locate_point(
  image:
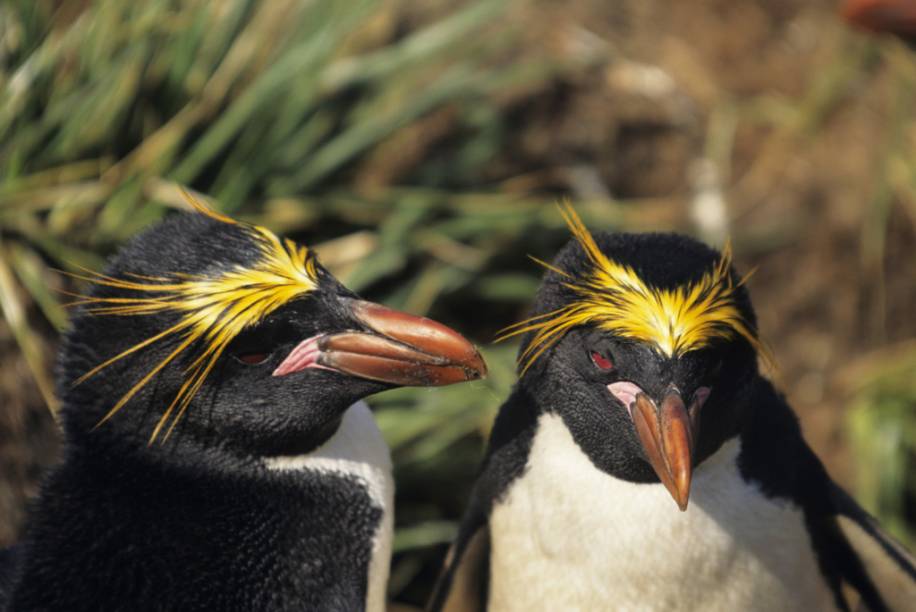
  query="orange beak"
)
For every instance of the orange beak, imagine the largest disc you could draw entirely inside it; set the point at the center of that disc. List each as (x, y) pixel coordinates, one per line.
(399, 349)
(667, 436)
(667, 433)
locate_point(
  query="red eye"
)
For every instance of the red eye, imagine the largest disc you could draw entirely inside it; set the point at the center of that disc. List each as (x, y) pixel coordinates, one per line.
(252, 358)
(602, 362)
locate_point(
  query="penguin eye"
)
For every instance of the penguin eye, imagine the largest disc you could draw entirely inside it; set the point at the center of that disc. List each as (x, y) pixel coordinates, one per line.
(252, 358)
(601, 362)
(255, 346)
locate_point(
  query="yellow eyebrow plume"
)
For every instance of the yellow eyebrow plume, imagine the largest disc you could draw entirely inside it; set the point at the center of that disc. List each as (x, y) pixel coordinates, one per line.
(613, 297)
(213, 308)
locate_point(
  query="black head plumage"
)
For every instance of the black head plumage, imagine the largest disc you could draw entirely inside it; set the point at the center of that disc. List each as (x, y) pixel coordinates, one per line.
(242, 336)
(632, 336)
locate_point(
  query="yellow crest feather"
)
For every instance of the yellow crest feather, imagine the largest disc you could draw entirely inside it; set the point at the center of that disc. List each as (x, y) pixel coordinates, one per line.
(613, 297)
(212, 309)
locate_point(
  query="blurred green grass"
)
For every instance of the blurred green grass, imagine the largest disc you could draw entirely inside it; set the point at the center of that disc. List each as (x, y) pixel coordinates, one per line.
(369, 129)
(883, 431)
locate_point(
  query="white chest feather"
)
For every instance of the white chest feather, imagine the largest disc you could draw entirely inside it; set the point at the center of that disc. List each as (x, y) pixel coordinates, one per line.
(571, 537)
(357, 449)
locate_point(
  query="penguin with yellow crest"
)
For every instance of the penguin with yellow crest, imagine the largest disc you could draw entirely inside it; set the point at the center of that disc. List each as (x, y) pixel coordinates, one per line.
(642, 462)
(217, 454)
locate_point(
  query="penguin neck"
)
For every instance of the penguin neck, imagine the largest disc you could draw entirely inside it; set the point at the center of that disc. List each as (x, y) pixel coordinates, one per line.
(355, 448)
(358, 451)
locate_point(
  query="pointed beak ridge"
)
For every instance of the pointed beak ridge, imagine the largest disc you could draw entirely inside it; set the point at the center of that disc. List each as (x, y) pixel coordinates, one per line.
(667, 435)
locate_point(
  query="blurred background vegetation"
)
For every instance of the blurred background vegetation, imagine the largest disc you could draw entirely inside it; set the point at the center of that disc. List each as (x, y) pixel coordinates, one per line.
(421, 146)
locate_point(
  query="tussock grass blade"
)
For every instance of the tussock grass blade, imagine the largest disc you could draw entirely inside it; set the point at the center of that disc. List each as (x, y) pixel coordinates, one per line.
(38, 279)
(373, 127)
(424, 534)
(298, 60)
(507, 287)
(420, 47)
(382, 263)
(14, 311)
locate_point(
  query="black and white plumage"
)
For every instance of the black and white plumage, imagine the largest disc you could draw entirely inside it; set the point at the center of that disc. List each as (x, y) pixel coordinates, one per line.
(609, 421)
(241, 472)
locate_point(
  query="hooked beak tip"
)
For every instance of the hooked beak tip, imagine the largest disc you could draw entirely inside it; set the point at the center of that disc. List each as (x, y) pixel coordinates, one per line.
(476, 367)
(442, 355)
(681, 491)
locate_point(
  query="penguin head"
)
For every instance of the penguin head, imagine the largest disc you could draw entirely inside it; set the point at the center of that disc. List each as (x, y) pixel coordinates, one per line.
(644, 344)
(213, 331)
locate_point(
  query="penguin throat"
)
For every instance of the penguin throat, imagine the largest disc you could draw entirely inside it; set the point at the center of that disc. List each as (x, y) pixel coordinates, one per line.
(299, 445)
